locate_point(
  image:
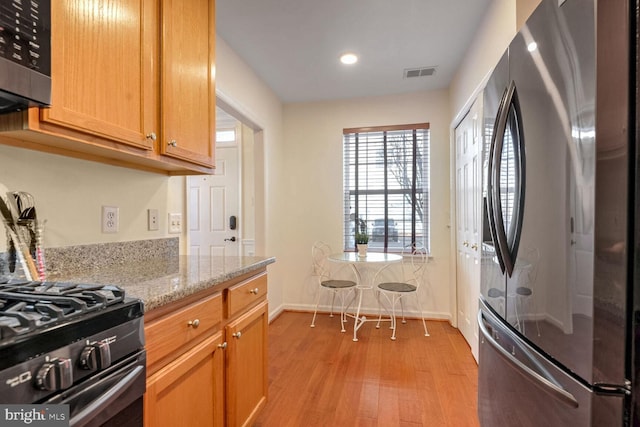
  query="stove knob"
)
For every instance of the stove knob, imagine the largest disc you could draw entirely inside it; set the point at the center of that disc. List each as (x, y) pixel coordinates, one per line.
(56, 374)
(95, 356)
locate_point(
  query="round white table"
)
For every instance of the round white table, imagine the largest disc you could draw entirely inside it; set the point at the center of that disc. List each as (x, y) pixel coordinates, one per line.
(355, 260)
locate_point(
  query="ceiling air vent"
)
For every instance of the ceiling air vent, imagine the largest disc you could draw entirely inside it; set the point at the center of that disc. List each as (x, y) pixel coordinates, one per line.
(419, 72)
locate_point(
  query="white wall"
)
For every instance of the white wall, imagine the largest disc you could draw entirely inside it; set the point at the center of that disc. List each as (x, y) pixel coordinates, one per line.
(70, 193)
(497, 29)
(313, 170)
(241, 89)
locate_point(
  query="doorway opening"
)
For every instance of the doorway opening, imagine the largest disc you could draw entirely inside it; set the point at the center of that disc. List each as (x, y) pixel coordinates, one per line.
(221, 208)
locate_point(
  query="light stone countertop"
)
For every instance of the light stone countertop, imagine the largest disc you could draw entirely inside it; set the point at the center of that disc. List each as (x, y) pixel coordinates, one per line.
(159, 282)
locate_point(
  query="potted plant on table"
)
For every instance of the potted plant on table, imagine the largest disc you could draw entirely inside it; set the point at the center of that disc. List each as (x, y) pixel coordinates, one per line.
(362, 242)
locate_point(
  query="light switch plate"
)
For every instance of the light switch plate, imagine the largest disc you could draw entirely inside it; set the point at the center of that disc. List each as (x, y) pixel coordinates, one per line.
(175, 223)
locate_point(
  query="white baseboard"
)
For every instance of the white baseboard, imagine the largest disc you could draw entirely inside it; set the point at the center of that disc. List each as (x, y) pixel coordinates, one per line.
(366, 311)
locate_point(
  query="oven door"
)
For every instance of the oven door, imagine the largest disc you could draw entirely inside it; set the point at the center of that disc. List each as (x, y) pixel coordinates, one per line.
(112, 397)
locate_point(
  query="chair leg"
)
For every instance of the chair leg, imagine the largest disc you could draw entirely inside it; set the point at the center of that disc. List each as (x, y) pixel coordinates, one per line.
(357, 318)
(343, 316)
(379, 309)
(535, 313)
(394, 320)
(424, 321)
(531, 308)
(313, 321)
(519, 325)
(382, 307)
(404, 321)
(333, 298)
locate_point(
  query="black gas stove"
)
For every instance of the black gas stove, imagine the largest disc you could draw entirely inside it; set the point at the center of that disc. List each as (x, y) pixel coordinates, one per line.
(60, 339)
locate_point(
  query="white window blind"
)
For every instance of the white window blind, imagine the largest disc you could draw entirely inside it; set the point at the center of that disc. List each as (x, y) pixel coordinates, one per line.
(386, 186)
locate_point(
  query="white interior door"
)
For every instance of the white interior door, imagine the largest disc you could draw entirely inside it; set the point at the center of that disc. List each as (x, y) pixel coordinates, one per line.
(581, 243)
(212, 201)
(468, 149)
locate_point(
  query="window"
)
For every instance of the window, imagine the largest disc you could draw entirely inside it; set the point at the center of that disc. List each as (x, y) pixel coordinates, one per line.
(386, 186)
(226, 135)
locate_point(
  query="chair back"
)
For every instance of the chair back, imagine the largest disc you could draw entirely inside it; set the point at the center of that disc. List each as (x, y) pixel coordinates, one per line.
(412, 268)
(415, 260)
(529, 272)
(319, 253)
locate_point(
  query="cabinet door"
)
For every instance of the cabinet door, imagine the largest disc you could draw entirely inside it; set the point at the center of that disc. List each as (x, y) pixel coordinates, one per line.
(188, 82)
(247, 366)
(188, 391)
(103, 77)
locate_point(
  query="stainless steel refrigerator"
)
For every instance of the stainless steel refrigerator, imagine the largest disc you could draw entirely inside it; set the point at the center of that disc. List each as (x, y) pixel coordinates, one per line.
(559, 253)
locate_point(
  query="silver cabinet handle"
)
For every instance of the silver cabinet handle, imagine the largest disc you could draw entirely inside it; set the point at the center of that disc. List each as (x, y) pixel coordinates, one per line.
(194, 323)
(223, 345)
(474, 247)
(152, 136)
(254, 291)
(237, 334)
(173, 143)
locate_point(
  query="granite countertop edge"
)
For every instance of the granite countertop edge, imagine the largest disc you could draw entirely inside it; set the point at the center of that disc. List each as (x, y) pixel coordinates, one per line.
(194, 287)
(158, 282)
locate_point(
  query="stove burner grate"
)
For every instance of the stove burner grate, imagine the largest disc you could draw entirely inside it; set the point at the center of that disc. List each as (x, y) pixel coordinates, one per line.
(27, 306)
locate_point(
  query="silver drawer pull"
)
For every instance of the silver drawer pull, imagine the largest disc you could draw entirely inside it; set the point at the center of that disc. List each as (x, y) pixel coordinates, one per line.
(237, 334)
(173, 143)
(194, 323)
(152, 136)
(254, 291)
(223, 345)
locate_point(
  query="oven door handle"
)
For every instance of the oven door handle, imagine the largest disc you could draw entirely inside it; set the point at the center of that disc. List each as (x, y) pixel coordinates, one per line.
(88, 413)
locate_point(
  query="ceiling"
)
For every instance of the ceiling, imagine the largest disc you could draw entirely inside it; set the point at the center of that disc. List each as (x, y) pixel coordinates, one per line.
(294, 45)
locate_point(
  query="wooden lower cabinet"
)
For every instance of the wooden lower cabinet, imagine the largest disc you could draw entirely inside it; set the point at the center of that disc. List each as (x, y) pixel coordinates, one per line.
(246, 363)
(190, 390)
(207, 357)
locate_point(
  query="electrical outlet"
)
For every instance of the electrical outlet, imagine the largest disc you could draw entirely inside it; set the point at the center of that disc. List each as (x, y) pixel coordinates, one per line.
(152, 220)
(175, 223)
(110, 219)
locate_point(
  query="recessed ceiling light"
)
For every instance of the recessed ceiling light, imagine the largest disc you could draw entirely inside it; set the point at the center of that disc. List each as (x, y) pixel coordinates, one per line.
(532, 46)
(349, 58)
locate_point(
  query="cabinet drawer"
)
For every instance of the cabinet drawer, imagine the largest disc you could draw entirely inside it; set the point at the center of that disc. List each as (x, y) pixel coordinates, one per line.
(172, 332)
(246, 294)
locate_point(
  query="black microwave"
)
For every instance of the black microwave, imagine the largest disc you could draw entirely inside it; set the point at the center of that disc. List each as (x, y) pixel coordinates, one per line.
(25, 54)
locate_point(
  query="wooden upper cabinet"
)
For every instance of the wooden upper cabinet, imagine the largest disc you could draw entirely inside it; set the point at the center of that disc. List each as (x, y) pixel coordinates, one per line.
(133, 84)
(104, 81)
(188, 80)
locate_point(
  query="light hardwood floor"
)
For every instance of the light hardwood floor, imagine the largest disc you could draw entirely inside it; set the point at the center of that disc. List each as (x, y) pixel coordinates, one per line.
(320, 377)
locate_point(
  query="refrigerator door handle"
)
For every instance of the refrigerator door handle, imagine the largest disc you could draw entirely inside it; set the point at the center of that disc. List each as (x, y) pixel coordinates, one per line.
(544, 384)
(496, 143)
(509, 117)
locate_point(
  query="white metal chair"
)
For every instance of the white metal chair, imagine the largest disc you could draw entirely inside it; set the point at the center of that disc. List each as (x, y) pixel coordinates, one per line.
(409, 280)
(336, 283)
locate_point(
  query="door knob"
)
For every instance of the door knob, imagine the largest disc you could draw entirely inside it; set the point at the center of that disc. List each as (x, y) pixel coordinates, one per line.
(232, 239)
